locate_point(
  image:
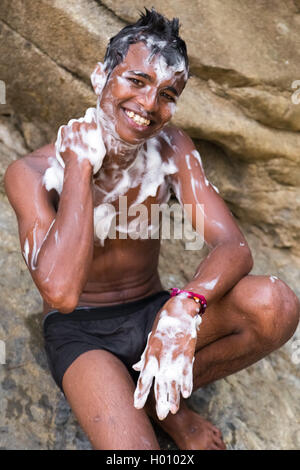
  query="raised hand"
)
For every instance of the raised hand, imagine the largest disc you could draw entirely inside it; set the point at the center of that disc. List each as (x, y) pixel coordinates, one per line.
(168, 357)
(81, 139)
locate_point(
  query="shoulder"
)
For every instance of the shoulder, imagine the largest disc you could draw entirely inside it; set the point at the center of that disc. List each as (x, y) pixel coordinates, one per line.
(178, 147)
(25, 175)
(33, 164)
(175, 141)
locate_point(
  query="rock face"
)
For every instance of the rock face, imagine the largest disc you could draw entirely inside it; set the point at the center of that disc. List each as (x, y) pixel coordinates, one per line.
(241, 109)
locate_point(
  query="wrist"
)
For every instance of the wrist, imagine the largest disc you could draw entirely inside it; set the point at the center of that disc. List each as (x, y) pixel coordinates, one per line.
(179, 305)
(199, 299)
(190, 306)
(83, 166)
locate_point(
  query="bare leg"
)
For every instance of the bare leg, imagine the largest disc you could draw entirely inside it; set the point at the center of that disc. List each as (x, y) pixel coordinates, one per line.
(256, 317)
(100, 391)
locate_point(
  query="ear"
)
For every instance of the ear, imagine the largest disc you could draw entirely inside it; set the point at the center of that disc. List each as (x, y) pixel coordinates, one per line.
(98, 78)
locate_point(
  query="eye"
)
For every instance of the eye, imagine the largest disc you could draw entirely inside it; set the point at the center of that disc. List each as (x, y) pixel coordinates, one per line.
(168, 97)
(135, 81)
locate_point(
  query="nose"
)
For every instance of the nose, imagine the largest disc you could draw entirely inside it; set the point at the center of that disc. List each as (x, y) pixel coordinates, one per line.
(148, 100)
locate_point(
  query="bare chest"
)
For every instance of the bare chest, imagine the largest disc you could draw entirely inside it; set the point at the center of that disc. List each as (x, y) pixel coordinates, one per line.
(127, 202)
(128, 206)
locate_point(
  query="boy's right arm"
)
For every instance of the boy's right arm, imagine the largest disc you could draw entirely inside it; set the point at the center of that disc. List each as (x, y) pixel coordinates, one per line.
(57, 246)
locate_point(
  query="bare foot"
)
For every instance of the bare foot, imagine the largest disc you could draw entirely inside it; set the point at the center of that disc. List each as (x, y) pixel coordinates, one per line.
(190, 431)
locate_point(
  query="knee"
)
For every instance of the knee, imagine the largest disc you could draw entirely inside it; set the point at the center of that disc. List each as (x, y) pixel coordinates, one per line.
(277, 313)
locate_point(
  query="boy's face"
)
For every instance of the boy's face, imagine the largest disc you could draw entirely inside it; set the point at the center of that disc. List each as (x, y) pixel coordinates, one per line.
(141, 94)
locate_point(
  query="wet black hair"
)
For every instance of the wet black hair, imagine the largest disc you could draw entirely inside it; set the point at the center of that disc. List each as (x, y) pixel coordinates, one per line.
(157, 32)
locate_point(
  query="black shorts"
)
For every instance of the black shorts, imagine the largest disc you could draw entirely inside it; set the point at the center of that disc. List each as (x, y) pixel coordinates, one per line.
(120, 329)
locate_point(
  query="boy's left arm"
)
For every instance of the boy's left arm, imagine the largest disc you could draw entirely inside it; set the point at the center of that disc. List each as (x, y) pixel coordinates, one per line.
(229, 257)
(174, 331)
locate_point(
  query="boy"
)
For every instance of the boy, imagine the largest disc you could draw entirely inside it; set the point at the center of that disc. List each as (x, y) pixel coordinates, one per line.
(107, 316)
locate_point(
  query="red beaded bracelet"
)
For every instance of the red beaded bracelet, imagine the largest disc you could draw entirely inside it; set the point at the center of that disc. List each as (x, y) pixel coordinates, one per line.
(199, 299)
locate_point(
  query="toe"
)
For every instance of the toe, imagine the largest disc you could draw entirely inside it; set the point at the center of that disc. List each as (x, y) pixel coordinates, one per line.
(213, 447)
(219, 443)
(216, 438)
(216, 431)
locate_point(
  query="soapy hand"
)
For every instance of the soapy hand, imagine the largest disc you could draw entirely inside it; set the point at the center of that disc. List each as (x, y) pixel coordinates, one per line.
(168, 358)
(83, 136)
(81, 139)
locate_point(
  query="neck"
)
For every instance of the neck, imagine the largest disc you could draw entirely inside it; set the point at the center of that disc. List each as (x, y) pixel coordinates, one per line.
(119, 154)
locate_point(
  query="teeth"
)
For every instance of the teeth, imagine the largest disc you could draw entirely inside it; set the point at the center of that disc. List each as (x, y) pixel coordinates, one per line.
(137, 118)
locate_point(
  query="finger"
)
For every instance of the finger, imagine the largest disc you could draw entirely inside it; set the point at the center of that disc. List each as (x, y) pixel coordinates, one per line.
(162, 402)
(144, 382)
(61, 132)
(60, 136)
(138, 366)
(174, 397)
(139, 398)
(58, 145)
(187, 381)
(145, 379)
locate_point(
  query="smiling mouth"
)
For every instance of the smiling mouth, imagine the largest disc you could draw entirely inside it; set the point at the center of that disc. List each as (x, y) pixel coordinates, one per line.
(137, 118)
